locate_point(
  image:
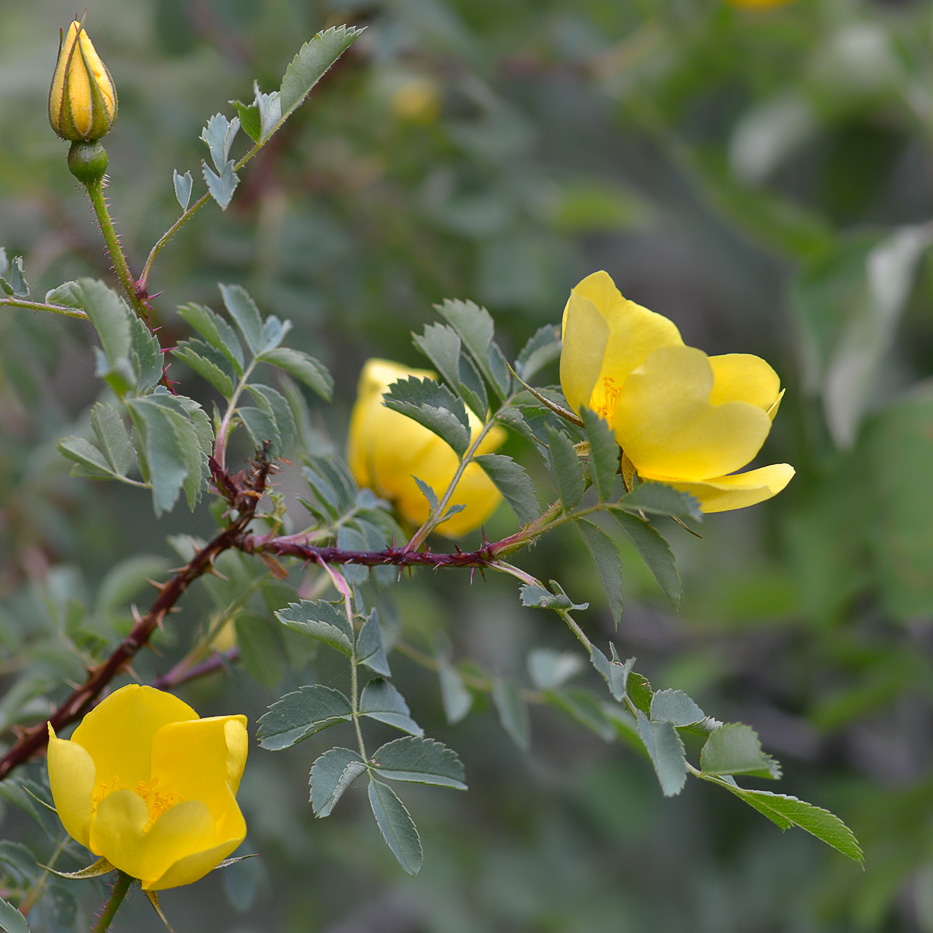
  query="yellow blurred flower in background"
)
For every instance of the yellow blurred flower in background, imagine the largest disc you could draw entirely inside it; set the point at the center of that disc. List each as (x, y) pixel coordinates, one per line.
(681, 417)
(385, 449)
(149, 786)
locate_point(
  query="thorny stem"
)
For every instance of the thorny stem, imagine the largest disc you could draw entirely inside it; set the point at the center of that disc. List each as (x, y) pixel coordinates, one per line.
(120, 888)
(243, 492)
(95, 191)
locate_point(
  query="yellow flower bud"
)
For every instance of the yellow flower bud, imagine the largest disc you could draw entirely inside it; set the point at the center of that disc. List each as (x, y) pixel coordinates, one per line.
(151, 787)
(385, 449)
(82, 99)
(681, 417)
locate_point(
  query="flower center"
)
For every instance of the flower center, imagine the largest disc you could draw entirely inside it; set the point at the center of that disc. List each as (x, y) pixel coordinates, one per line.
(157, 802)
(605, 396)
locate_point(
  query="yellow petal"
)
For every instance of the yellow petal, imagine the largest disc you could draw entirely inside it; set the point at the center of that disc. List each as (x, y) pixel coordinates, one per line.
(71, 778)
(741, 377)
(119, 833)
(666, 425)
(118, 732)
(605, 337)
(386, 449)
(202, 760)
(382, 443)
(192, 867)
(740, 489)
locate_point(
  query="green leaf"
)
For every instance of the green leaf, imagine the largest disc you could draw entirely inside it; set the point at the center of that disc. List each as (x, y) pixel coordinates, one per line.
(381, 701)
(311, 63)
(550, 669)
(566, 469)
(262, 650)
(146, 354)
(183, 185)
(441, 345)
(11, 920)
(218, 135)
(210, 364)
(331, 775)
(534, 597)
(176, 438)
(369, 648)
(108, 312)
(654, 551)
(216, 331)
(245, 315)
(788, 811)
(91, 463)
(604, 453)
(475, 327)
(614, 672)
(276, 406)
(735, 749)
(12, 279)
(221, 187)
(306, 368)
(420, 761)
(434, 406)
(301, 714)
(674, 706)
(396, 825)
(658, 499)
(112, 437)
(512, 712)
(608, 563)
(514, 483)
(638, 690)
(666, 750)
(321, 621)
(456, 698)
(540, 350)
(261, 427)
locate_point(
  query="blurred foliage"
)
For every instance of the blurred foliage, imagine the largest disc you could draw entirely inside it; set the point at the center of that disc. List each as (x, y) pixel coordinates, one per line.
(759, 176)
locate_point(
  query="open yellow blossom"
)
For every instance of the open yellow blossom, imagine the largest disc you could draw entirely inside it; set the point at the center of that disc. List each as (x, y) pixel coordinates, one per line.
(82, 99)
(386, 449)
(681, 417)
(151, 787)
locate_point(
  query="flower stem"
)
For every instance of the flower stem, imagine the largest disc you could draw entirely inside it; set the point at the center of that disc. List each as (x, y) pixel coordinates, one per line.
(120, 888)
(95, 191)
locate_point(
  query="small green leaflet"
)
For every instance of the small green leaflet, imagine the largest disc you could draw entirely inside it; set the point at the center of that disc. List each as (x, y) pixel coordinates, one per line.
(536, 597)
(514, 483)
(614, 672)
(475, 327)
(603, 455)
(566, 469)
(420, 761)
(456, 698)
(183, 185)
(550, 669)
(735, 749)
(381, 701)
(221, 186)
(666, 750)
(300, 714)
(658, 499)
(12, 280)
(540, 350)
(11, 920)
(786, 811)
(654, 551)
(331, 775)
(434, 406)
(396, 825)
(608, 563)
(321, 621)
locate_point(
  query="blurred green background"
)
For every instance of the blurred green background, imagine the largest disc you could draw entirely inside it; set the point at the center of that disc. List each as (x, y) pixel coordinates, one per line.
(762, 177)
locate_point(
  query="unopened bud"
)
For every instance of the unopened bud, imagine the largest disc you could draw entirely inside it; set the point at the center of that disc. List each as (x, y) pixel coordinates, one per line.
(83, 99)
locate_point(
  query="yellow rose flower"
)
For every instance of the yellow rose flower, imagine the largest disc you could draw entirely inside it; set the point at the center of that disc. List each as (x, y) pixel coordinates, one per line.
(82, 99)
(385, 449)
(681, 417)
(151, 787)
